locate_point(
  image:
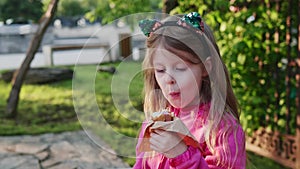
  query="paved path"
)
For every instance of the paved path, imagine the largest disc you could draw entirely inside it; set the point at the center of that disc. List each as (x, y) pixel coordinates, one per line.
(69, 150)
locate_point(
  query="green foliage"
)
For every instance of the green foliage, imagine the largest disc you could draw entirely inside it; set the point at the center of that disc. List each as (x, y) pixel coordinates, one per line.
(110, 10)
(78, 8)
(254, 55)
(21, 10)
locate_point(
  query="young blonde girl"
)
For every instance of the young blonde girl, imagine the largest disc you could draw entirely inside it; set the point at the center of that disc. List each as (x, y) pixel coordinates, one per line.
(183, 72)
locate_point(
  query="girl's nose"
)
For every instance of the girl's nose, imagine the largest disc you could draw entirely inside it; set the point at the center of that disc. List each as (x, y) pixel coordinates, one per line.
(169, 79)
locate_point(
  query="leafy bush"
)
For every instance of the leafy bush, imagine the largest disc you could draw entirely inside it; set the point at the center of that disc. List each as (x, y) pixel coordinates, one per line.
(252, 39)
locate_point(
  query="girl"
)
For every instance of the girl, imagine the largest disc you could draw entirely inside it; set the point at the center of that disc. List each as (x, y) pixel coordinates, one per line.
(183, 72)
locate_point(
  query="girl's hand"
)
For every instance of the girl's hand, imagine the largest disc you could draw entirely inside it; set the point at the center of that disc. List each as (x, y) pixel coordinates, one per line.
(167, 143)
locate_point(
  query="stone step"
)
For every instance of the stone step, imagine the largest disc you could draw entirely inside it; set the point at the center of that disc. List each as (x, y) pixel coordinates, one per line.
(55, 151)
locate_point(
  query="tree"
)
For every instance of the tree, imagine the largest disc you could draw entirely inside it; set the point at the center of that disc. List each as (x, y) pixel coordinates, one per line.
(169, 5)
(76, 5)
(110, 10)
(21, 10)
(19, 75)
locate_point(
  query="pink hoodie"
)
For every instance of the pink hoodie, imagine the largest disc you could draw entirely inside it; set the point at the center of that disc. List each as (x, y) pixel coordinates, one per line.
(192, 158)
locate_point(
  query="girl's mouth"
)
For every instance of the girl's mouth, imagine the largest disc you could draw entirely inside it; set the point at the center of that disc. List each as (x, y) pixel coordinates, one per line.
(174, 94)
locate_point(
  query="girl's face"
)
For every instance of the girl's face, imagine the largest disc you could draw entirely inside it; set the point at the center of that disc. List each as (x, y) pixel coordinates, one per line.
(180, 81)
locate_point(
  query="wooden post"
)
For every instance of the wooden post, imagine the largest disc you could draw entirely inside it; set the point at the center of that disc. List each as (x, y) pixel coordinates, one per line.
(125, 45)
(48, 55)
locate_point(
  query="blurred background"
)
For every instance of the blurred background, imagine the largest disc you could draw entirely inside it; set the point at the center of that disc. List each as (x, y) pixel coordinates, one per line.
(259, 42)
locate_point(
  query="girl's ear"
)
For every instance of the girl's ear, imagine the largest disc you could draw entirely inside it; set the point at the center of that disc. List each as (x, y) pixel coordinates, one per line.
(207, 67)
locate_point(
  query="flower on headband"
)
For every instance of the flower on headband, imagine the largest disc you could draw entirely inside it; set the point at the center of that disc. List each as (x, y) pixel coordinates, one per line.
(148, 26)
(194, 20)
(190, 20)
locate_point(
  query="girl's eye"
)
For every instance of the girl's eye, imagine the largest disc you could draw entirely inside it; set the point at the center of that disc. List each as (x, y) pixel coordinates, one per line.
(160, 70)
(181, 68)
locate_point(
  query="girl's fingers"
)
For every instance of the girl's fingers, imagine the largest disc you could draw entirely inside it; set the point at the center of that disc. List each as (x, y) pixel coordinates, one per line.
(158, 131)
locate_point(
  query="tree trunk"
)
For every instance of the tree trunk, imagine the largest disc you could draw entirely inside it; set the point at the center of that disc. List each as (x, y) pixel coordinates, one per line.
(168, 5)
(19, 75)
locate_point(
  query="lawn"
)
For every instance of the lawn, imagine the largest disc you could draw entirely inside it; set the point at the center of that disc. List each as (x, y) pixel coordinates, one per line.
(109, 105)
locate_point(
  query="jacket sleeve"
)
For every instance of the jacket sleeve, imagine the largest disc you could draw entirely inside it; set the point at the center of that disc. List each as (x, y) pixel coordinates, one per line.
(139, 161)
(192, 158)
(140, 155)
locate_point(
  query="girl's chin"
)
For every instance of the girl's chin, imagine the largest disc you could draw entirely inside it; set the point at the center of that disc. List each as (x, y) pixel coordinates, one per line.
(176, 105)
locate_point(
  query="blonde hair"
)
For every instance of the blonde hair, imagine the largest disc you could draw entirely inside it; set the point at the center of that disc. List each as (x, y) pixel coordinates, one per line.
(216, 88)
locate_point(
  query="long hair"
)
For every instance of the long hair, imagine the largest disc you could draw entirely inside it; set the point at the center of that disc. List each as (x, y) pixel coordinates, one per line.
(216, 88)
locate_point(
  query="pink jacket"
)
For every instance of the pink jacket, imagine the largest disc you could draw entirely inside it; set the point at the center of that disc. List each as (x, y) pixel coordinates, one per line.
(192, 158)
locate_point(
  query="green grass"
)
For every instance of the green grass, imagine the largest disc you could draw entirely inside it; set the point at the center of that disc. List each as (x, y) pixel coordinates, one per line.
(258, 162)
(41, 109)
(49, 108)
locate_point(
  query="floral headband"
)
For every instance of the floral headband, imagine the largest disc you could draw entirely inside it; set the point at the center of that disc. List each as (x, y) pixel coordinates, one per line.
(191, 20)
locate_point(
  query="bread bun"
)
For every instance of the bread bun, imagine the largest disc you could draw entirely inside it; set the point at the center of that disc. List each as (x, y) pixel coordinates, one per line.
(164, 115)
